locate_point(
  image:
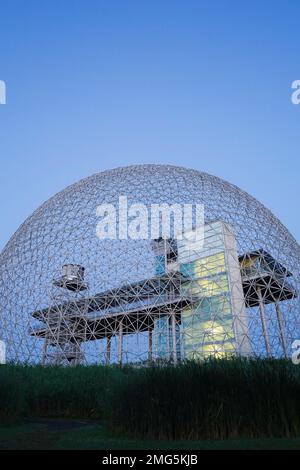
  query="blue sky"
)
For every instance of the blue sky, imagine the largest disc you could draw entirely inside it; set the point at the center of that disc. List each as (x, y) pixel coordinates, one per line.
(93, 85)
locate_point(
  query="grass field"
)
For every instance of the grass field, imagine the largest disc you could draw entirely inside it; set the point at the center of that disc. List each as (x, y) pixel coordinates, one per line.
(214, 400)
(84, 435)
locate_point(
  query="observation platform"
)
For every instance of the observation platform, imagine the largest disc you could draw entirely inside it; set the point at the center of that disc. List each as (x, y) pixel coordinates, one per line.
(135, 306)
(264, 279)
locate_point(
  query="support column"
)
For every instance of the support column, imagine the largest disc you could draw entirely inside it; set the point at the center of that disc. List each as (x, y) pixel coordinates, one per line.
(173, 327)
(108, 349)
(44, 353)
(281, 329)
(263, 322)
(150, 354)
(120, 342)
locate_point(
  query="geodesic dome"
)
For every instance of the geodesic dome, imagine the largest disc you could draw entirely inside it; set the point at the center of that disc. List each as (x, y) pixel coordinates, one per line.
(67, 296)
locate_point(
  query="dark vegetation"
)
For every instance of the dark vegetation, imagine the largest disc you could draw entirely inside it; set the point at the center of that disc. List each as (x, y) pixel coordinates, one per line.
(215, 399)
(92, 435)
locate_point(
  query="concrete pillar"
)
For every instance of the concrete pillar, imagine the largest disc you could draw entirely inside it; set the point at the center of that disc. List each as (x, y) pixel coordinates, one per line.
(281, 329)
(263, 322)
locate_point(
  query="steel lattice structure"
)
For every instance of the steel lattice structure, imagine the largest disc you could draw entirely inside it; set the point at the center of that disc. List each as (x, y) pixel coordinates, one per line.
(68, 297)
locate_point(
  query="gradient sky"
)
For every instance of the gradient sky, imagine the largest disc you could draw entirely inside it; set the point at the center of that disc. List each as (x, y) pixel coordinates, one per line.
(93, 85)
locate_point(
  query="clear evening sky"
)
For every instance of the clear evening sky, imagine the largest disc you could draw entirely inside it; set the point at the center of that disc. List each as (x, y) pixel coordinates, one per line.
(93, 85)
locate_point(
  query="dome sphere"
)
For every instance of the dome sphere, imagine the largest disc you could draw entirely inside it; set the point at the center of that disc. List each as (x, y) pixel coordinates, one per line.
(43, 315)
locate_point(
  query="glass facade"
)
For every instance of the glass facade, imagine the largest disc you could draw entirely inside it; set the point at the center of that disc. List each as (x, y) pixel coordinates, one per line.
(208, 327)
(212, 319)
(160, 265)
(163, 339)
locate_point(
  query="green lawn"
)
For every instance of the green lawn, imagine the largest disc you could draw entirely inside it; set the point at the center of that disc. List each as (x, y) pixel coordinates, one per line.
(68, 434)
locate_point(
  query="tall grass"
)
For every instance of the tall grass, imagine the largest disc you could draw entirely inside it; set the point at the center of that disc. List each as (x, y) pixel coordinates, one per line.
(212, 399)
(215, 399)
